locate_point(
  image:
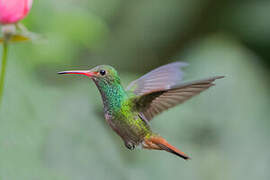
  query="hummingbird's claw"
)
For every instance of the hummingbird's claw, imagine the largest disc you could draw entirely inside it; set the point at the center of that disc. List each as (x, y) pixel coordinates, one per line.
(130, 145)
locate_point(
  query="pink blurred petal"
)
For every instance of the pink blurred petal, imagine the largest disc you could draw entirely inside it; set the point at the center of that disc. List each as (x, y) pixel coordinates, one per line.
(12, 11)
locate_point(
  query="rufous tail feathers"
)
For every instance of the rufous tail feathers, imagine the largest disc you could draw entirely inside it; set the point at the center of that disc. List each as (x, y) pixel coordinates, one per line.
(159, 143)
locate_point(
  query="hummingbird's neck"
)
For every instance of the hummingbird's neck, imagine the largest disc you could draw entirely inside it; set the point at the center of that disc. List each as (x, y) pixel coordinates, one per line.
(113, 94)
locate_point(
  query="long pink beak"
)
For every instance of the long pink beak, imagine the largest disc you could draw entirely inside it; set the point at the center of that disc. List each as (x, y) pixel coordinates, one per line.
(86, 73)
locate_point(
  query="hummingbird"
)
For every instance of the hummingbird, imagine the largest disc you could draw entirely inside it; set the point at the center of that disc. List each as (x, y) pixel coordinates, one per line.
(128, 111)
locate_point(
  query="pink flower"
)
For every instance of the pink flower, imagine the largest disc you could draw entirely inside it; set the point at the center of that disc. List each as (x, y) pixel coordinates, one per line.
(12, 11)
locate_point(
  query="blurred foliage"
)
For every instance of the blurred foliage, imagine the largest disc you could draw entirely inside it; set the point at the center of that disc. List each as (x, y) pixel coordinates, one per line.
(52, 127)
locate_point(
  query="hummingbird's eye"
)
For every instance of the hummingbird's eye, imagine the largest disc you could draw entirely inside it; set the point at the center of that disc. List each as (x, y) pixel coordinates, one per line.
(102, 72)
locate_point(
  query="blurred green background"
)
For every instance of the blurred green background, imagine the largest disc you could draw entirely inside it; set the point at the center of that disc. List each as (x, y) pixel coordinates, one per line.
(52, 126)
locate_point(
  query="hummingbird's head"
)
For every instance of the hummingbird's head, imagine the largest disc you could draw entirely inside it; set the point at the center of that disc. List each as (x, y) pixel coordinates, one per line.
(101, 73)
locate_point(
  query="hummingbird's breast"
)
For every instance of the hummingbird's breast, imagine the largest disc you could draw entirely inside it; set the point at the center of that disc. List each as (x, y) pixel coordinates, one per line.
(127, 124)
(120, 114)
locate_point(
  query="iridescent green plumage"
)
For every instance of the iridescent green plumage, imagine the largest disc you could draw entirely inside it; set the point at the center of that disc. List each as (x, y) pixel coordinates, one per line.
(128, 111)
(119, 108)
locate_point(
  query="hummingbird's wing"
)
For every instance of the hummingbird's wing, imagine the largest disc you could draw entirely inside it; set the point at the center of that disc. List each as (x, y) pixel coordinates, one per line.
(153, 103)
(162, 78)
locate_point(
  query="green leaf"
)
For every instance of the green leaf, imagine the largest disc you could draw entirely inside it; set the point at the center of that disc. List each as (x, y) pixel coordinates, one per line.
(16, 38)
(29, 36)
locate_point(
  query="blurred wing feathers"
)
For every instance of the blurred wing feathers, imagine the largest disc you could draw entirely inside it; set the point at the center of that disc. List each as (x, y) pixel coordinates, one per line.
(154, 103)
(162, 78)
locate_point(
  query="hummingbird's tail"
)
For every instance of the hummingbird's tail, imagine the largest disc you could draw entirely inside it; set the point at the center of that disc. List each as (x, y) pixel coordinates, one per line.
(159, 143)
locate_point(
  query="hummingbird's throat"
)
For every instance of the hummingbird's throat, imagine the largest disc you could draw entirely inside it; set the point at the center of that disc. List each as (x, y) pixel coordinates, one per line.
(113, 94)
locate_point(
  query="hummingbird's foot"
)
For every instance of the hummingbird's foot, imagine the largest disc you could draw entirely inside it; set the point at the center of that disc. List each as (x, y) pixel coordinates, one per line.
(130, 145)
